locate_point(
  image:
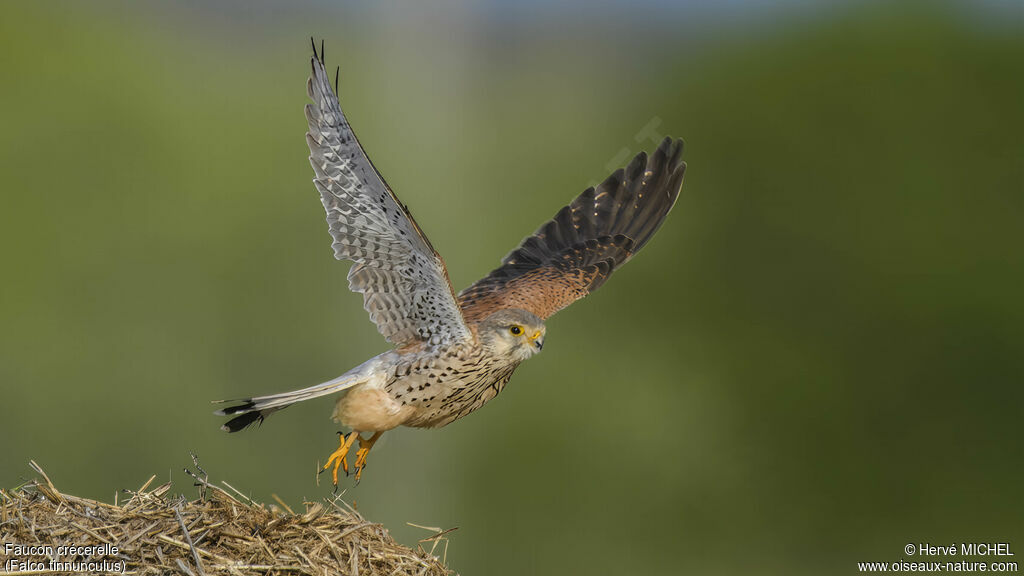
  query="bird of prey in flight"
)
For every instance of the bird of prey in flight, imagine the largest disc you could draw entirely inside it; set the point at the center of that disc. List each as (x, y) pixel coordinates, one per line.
(453, 352)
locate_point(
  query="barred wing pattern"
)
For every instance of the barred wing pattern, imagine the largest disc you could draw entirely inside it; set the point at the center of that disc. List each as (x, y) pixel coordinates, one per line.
(571, 255)
(403, 280)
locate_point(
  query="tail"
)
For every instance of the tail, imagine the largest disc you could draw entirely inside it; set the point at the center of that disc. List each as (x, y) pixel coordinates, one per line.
(253, 410)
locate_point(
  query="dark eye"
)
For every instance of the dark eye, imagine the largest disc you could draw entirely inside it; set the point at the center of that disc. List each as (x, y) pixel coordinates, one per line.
(515, 330)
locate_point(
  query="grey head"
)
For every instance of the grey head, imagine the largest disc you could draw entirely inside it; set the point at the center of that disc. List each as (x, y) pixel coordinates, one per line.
(512, 333)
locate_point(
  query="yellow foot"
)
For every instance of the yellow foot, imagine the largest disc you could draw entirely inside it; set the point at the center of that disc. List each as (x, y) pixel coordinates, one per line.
(364, 449)
(338, 457)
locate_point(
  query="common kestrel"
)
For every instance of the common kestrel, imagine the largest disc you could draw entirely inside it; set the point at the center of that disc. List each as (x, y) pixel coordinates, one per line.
(452, 353)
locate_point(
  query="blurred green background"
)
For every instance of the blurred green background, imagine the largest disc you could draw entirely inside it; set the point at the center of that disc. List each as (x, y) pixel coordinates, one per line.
(818, 359)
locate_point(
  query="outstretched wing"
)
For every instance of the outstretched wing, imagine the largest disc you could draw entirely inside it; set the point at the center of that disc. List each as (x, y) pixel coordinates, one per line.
(403, 280)
(571, 255)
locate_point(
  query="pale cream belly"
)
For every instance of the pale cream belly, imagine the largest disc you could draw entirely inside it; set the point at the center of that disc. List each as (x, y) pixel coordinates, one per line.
(370, 409)
(429, 395)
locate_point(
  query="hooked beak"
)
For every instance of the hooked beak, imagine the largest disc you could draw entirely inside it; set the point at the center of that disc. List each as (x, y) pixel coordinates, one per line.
(537, 340)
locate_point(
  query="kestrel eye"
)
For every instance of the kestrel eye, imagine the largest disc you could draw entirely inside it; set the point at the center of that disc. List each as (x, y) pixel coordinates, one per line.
(515, 330)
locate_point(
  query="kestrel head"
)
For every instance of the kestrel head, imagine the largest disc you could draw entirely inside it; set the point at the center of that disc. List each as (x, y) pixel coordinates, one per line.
(512, 333)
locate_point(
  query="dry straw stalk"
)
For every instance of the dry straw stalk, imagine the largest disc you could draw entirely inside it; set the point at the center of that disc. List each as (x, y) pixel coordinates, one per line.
(222, 532)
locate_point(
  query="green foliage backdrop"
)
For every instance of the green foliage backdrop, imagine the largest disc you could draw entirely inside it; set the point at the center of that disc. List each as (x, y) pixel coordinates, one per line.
(818, 359)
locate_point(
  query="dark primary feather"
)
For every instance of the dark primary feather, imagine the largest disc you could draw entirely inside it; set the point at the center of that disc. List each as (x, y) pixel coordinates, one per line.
(574, 253)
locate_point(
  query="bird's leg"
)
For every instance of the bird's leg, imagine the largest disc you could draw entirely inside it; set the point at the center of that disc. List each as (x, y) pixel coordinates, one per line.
(338, 456)
(364, 449)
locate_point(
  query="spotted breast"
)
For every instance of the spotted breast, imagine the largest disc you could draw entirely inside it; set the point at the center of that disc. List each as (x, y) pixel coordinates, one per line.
(445, 385)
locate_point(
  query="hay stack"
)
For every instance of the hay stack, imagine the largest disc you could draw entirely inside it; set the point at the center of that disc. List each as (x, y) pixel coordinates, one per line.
(222, 532)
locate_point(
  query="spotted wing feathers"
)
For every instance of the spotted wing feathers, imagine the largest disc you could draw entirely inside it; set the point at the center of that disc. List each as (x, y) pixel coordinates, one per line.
(403, 280)
(574, 253)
